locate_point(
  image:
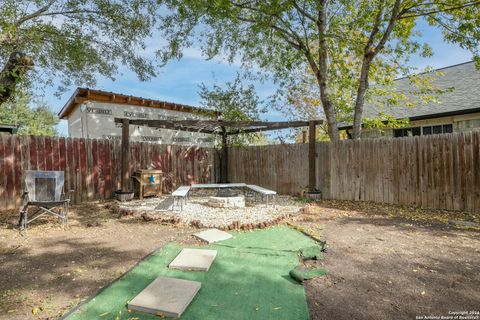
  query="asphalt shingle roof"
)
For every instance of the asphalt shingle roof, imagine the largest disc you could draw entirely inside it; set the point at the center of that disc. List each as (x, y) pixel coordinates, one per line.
(463, 78)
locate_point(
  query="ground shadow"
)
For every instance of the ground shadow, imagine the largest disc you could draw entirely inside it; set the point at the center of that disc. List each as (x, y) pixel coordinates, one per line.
(165, 204)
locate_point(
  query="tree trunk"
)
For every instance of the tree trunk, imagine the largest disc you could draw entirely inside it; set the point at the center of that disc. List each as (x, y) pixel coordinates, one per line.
(329, 110)
(370, 53)
(360, 100)
(321, 73)
(12, 74)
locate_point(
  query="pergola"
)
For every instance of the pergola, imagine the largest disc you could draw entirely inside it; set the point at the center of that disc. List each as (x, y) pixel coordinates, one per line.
(219, 127)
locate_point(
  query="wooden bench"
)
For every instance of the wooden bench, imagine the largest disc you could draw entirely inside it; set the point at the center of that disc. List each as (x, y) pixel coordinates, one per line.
(218, 185)
(264, 192)
(181, 194)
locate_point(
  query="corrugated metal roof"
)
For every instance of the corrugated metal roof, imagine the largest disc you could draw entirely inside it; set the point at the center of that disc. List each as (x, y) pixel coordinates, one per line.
(87, 94)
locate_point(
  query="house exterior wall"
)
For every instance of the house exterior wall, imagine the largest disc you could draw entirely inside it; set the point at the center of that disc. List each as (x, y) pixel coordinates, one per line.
(95, 120)
(76, 121)
(460, 123)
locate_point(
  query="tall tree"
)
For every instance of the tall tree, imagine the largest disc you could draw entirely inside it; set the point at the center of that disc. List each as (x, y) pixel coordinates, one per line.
(344, 43)
(72, 40)
(32, 118)
(235, 101)
(304, 101)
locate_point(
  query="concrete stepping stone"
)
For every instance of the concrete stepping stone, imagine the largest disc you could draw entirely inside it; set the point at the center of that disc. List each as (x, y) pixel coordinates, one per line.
(167, 297)
(193, 259)
(213, 235)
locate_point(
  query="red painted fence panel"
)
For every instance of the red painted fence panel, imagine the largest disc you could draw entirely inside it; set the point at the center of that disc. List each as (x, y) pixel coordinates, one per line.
(92, 167)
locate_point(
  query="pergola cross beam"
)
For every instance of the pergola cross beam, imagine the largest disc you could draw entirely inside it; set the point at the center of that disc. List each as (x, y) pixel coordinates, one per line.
(216, 126)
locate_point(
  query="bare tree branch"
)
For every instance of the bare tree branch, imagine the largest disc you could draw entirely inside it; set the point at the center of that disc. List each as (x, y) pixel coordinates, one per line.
(284, 34)
(303, 12)
(285, 26)
(431, 12)
(391, 25)
(36, 14)
(321, 72)
(370, 53)
(375, 29)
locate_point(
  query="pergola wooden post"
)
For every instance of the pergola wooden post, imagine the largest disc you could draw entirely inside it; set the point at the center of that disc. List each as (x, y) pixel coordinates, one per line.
(312, 172)
(125, 154)
(224, 157)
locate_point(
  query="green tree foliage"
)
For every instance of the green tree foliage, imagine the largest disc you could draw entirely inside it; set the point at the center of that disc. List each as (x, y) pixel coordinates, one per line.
(37, 121)
(345, 44)
(72, 40)
(236, 102)
(304, 101)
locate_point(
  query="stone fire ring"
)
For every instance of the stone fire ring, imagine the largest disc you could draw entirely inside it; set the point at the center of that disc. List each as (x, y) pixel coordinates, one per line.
(227, 202)
(146, 215)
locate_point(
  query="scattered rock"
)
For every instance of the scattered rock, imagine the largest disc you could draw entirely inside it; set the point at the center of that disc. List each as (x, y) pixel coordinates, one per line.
(198, 214)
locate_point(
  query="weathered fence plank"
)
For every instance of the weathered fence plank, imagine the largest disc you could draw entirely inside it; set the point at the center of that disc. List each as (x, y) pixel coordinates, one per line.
(437, 171)
(92, 167)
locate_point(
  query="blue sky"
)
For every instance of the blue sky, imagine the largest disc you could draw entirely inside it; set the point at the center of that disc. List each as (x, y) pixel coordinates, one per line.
(178, 81)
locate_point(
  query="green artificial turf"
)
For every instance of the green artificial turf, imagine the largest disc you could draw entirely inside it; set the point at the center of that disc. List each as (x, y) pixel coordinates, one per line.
(249, 279)
(312, 252)
(301, 273)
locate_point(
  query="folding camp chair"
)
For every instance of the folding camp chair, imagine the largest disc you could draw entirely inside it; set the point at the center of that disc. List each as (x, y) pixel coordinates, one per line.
(44, 190)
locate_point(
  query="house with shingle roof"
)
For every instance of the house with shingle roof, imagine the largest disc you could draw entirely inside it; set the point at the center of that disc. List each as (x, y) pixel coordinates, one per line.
(457, 108)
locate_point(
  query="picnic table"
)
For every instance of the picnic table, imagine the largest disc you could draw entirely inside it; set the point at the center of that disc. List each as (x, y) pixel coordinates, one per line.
(218, 185)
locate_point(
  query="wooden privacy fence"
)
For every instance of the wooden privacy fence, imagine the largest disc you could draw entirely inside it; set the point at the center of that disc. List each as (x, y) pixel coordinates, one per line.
(92, 167)
(436, 171)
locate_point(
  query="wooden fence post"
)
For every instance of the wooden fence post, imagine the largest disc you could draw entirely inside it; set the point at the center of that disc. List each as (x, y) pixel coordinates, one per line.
(311, 157)
(125, 154)
(224, 158)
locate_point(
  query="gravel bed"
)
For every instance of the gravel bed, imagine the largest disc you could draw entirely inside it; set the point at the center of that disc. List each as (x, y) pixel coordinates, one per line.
(197, 209)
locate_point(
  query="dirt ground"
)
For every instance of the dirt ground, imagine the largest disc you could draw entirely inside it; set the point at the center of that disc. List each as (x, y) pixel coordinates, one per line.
(48, 270)
(384, 262)
(386, 267)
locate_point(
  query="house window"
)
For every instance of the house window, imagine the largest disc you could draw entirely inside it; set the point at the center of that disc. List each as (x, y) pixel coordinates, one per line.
(467, 124)
(446, 128)
(417, 131)
(406, 132)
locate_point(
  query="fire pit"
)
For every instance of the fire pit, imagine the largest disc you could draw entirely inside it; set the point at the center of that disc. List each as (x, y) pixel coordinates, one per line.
(226, 193)
(227, 198)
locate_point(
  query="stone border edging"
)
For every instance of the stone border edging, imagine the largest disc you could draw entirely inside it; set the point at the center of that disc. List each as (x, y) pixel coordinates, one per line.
(236, 225)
